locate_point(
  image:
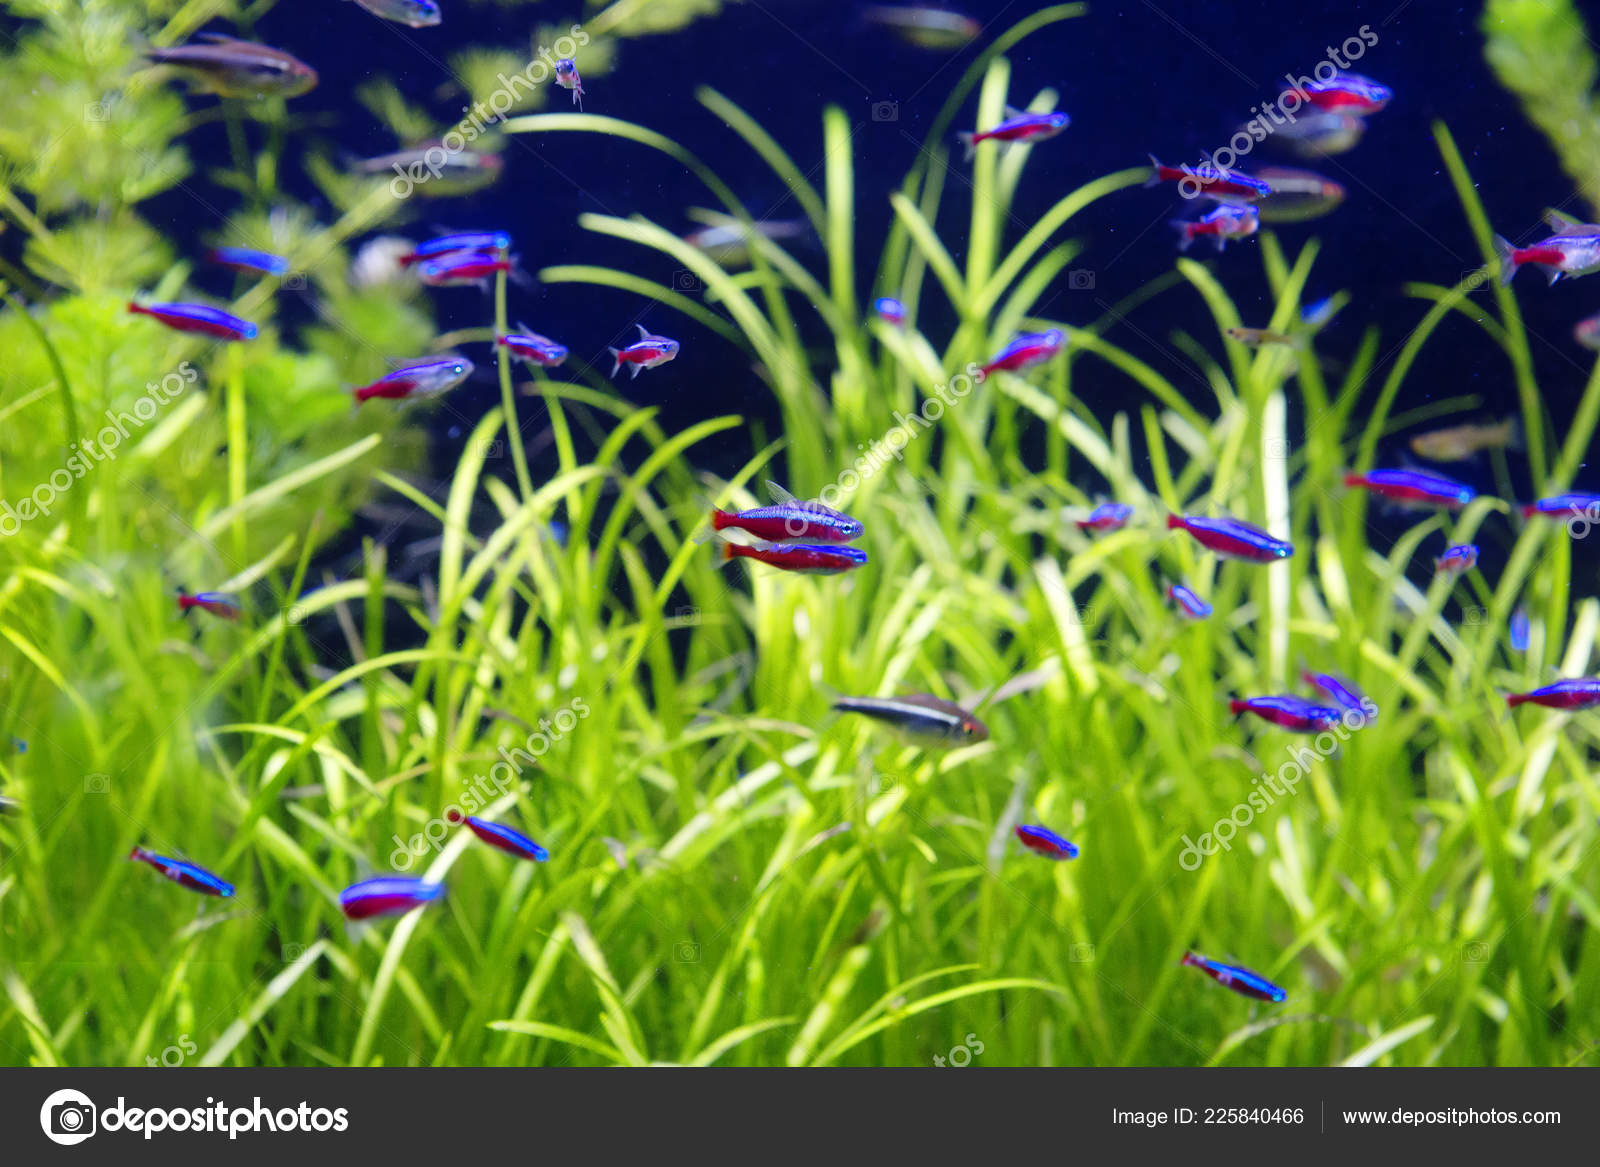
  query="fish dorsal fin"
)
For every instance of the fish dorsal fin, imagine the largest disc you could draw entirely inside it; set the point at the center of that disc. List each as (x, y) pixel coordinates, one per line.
(644, 333)
(779, 494)
(1564, 224)
(1013, 112)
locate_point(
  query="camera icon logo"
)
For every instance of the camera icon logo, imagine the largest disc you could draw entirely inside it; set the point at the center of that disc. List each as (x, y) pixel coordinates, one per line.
(686, 281)
(686, 953)
(1475, 952)
(295, 281)
(886, 111)
(97, 783)
(68, 1117)
(1081, 954)
(1080, 279)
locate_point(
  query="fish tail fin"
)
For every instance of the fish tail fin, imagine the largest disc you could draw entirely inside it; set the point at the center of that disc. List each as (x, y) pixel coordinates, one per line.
(139, 309)
(1551, 275)
(1237, 705)
(1515, 699)
(138, 853)
(1507, 255)
(633, 371)
(616, 357)
(1174, 523)
(729, 552)
(969, 142)
(721, 520)
(1185, 236)
(1155, 172)
(1188, 960)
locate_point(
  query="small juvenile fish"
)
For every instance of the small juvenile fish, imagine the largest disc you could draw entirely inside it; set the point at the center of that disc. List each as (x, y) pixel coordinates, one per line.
(1322, 134)
(1587, 332)
(1297, 195)
(1019, 126)
(1287, 711)
(435, 170)
(1573, 504)
(200, 318)
(1456, 559)
(217, 603)
(645, 353)
(1414, 488)
(807, 558)
(533, 348)
(924, 718)
(1220, 225)
(500, 836)
(1574, 250)
(424, 378)
(243, 259)
(184, 874)
(789, 519)
(230, 67)
(1108, 516)
(729, 243)
(1342, 691)
(1460, 442)
(1575, 693)
(1025, 351)
(1241, 980)
(1257, 337)
(1042, 841)
(387, 895)
(1188, 603)
(926, 27)
(412, 13)
(469, 241)
(1232, 538)
(889, 310)
(1348, 93)
(1225, 186)
(1519, 629)
(465, 269)
(567, 77)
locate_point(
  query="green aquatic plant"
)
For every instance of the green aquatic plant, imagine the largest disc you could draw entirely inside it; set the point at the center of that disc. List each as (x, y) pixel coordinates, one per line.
(737, 876)
(1541, 51)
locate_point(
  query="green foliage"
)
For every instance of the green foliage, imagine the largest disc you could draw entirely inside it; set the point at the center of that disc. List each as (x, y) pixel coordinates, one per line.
(1542, 52)
(736, 876)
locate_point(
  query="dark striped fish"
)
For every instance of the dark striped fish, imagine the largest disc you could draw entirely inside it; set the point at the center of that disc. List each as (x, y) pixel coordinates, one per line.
(928, 720)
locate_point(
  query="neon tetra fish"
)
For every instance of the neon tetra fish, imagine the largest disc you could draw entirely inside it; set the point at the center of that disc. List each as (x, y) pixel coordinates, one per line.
(244, 259)
(1574, 250)
(1342, 691)
(889, 310)
(928, 720)
(1220, 225)
(1347, 93)
(497, 242)
(1457, 559)
(533, 348)
(467, 269)
(219, 604)
(387, 895)
(426, 378)
(1019, 126)
(645, 353)
(184, 874)
(1287, 711)
(790, 519)
(1572, 694)
(1108, 516)
(1232, 538)
(500, 836)
(1043, 841)
(1414, 488)
(1297, 195)
(229, 67)
(1191, 605)
(1026, 351)
(199, 318)
(1210, 181)
(806, 558)
(1572, 505)
(1520, 629)
(1236, 977)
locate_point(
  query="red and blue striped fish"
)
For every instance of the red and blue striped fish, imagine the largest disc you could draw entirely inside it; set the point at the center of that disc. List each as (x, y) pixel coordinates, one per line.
(807, 558)
(1232, 538)
(1025, 351)
(1043, 841)
(200, 318)
(1573, 693)
(1236, 977)
(1414, 488)
(500, 836)
(1019, 126)
(790, 519)
(1287, 711)
(387, 895)
(184, 874)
